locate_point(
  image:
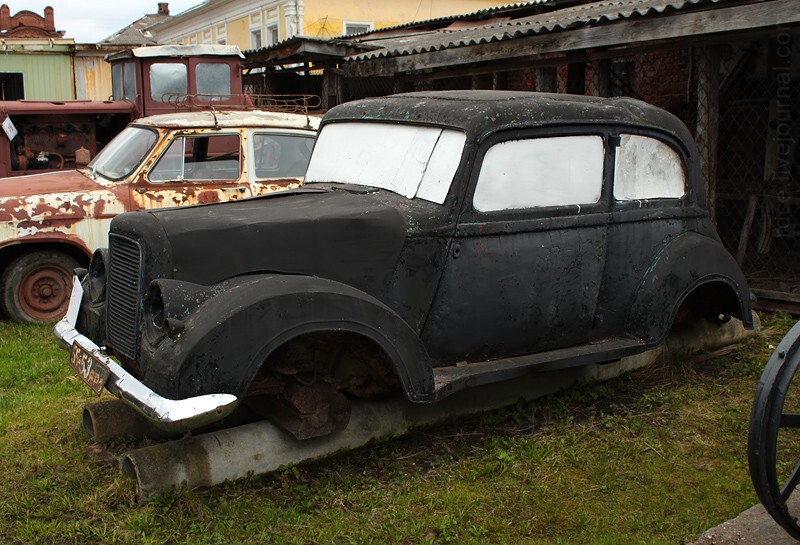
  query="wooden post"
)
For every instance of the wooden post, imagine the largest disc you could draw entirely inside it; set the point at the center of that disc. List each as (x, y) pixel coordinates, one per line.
(601, 78)
(332, 88)
(707, 133)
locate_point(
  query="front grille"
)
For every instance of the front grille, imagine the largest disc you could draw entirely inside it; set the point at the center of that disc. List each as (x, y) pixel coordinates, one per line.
(124, 292)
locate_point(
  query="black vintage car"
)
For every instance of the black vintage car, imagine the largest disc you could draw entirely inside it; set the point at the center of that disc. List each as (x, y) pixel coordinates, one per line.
(442, 240)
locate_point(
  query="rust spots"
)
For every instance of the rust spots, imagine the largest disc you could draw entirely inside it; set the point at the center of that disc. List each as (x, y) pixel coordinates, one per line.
(207, 197)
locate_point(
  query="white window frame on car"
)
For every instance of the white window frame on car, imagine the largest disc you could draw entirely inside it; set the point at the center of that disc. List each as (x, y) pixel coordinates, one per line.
(512, 173)
(647, 168)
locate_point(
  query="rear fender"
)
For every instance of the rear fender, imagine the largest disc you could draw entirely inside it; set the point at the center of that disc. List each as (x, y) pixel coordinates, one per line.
(685, 264)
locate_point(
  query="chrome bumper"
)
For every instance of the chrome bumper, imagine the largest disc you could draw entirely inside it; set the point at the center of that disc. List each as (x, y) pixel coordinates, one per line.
(171, 414)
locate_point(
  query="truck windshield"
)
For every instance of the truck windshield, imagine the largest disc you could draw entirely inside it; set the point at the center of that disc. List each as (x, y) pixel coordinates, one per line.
(124, 153)
(410, 160)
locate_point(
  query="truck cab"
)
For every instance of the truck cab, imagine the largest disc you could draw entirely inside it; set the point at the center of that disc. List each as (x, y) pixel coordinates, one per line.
(42, 136)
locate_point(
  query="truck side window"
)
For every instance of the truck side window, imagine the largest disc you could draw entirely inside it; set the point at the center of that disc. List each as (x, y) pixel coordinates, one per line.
(647, 168)
(167, 78)
(123, 81)
(537, 172)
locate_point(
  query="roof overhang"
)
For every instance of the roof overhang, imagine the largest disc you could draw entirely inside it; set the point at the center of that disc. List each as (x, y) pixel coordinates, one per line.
(592, 31)
(301, 50)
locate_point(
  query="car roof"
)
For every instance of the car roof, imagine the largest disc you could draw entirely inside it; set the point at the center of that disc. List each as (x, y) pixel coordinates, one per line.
(230, 119)
(480, 113)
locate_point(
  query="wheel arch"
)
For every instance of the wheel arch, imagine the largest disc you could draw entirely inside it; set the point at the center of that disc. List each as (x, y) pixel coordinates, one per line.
(75, 250)
(220, 341)
(691, 267)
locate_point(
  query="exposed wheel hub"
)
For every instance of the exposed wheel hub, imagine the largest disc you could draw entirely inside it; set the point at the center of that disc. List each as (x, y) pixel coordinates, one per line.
(43, 293)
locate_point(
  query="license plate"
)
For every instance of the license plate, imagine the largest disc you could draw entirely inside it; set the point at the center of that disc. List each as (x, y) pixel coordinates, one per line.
(89, 368)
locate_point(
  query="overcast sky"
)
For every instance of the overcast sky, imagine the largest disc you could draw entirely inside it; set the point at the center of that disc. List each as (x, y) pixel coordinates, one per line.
(89, 21)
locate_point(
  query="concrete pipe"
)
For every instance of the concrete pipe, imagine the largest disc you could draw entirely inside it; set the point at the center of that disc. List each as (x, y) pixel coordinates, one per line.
(109, 420)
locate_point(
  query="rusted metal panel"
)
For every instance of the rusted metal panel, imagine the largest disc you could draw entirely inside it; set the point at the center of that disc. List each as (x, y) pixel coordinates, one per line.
(35, 217)
(92, 78)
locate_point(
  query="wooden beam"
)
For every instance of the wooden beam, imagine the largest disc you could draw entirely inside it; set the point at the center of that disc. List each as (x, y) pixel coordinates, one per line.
(682, 25)
(707, 132)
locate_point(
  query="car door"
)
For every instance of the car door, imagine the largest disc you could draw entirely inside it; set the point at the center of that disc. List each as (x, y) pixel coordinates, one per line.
(194, 168)
(651, 206)
(524, 267)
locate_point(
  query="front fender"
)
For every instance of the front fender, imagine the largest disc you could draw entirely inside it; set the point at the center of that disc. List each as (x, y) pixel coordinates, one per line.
(685, 264)
(225, 340)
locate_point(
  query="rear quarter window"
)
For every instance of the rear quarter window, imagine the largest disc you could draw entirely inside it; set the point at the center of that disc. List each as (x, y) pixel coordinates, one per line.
(647, 168)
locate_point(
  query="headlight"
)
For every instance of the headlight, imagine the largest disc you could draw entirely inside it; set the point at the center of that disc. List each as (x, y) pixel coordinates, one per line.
(95, 281)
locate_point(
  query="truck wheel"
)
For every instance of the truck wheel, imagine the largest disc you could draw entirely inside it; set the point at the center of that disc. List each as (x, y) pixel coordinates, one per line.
(36, 286)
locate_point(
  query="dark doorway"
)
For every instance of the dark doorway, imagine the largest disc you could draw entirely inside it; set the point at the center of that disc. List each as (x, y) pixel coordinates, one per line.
(11, 87)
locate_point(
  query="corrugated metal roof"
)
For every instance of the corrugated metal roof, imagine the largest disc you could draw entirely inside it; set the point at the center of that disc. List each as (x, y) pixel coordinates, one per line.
(445, 18)
(563, 19)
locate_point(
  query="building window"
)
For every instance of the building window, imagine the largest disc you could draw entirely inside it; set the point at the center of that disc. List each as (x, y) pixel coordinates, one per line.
(273, 36)
(255, 39)
(353, 27)
(11, 86)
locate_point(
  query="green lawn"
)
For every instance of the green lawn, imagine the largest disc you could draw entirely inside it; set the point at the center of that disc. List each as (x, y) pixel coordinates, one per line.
(657, 456)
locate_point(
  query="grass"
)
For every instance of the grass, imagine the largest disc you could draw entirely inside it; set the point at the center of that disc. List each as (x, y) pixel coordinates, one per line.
(657, 456)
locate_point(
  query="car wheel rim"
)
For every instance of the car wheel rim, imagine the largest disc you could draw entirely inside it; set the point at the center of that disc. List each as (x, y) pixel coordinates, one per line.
(44, 293)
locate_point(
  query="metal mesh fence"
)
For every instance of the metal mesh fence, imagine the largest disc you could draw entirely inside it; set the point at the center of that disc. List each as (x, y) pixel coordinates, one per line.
(356, 88)
(758, 164)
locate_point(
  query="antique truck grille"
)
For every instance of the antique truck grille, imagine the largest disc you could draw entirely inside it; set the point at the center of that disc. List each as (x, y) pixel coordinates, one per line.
(124, 290)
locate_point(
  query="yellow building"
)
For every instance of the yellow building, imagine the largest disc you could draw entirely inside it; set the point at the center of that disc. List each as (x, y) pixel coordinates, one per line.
(252, 24)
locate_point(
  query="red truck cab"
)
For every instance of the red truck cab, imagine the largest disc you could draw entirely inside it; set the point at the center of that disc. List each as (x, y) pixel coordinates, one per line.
(59, 135)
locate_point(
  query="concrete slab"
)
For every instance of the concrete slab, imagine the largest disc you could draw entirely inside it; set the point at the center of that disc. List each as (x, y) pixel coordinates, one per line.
(753, 527)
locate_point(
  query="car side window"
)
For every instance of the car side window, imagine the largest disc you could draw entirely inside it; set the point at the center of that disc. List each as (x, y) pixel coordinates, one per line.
(196, 158)
(538, 172)
(646, 168)
(281, 155)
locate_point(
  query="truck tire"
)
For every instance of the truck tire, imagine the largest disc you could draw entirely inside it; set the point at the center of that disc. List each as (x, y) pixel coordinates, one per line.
(35, 287)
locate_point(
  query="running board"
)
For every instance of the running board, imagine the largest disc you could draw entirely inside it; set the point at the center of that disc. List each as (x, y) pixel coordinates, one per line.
(451, 379)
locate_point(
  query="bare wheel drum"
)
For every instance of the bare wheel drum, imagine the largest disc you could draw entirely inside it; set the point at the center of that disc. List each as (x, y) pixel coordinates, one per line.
(36, 286)
(773, 444)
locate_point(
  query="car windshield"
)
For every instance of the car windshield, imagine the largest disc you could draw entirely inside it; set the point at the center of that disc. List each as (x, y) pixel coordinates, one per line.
(410, 160)
(124, 153)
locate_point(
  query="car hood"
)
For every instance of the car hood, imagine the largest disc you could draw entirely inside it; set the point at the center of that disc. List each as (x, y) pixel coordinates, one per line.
(355, 238)
(66, 181)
